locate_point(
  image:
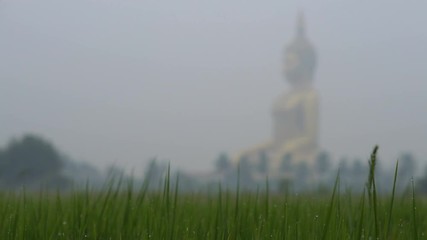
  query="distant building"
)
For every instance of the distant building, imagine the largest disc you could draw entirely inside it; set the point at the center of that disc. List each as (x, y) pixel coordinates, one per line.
(293, 147)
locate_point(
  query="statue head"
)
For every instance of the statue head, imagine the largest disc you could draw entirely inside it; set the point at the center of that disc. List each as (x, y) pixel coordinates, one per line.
(300, 58)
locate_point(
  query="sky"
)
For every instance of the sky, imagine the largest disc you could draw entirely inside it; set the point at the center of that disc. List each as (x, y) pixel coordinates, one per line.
(121, 82)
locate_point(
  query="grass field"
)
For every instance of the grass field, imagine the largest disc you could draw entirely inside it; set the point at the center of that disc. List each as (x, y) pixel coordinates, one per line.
(119, 212)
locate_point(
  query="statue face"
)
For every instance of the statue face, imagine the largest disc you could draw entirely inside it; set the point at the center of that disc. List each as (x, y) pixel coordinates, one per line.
(293, 68)
(299, 64)
(291, 62)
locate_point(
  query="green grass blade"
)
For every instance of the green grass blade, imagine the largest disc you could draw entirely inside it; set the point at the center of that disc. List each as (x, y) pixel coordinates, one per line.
(393, 193)
(414, 213)
(330, 209)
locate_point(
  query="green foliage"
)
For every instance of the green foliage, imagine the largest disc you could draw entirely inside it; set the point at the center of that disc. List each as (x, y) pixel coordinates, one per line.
(223, 163)
(30, 161)
(323, 163)
(119, 212)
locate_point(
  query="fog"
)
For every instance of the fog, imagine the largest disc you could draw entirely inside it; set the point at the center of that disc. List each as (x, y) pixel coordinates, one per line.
(124, 81)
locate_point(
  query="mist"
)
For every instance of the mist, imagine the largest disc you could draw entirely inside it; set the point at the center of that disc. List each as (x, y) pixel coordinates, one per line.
(125, 81)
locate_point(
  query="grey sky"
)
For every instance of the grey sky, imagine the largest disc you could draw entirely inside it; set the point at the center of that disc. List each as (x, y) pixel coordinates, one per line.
(122, 81)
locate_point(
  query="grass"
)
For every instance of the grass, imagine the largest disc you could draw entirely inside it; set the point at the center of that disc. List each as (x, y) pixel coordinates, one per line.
(119, 212)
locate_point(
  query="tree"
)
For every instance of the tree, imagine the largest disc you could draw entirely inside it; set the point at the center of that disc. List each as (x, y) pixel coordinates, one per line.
(222, 163)
(244, 165)
(358, 169)
(323, 163)
(263, 162)
(155, 174)
(422, 183)
(302, 171)
(407, 165)
(302, 175)
(245, 170)
(29, 160)
(343, 167)
(286, 164)
(154, 171)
